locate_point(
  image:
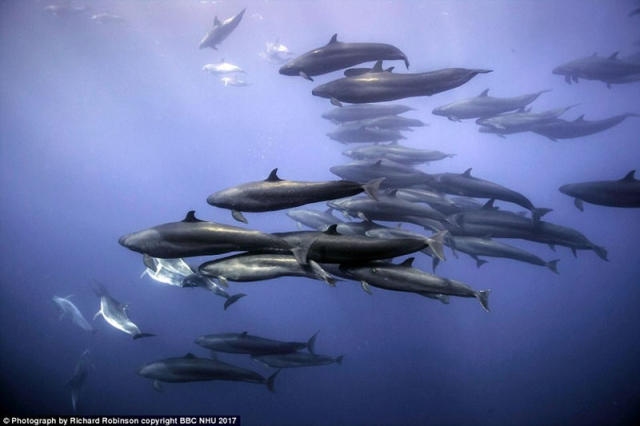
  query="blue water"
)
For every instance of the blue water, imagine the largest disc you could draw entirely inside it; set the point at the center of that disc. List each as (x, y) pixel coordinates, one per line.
(107, 129)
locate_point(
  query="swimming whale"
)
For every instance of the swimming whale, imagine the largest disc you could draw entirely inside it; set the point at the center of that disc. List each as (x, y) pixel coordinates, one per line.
(195, 237)
(484, 105)
(245, 343)
(358, 133)
(563, 129)
(337, 55)
(313, 219)
(395, 152)
(624, 192)
(221, 30)
(274, 193)
(404, 277)
(380, 86)
(359, 112)
(610, 70)
(191, 368)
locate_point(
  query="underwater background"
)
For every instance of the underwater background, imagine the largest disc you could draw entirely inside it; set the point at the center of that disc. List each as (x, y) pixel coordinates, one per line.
(106, 129)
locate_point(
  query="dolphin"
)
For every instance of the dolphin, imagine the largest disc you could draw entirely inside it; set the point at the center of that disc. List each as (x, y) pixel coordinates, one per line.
(471, 186)
(396, 153)
(357, 133)
(386, 86)
(516, 122)
(395, 175)
(337, 55)
(435, 199)
(353, 72)
(563, 129)
(624, 192)
(391, 122)
(115, 314)
(274, 193)
(66, 306)
(249, 267)
(331, 247)
(296, 359)
(489, 222)
(610, 70)
(403, 277)
(195, 237)
(475, 246)
(221, 68)
(190, 368)
(387, 207)
(244, 343)
(364, 112)
(79, 378)
(221, 30)
(484, 105)
(313, 219)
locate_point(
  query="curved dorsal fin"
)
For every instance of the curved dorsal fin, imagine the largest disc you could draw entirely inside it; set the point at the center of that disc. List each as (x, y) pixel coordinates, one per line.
(629, 177)
(581, 118)
(467, 172)
(488, 205)
(334, 39)
(190, 355)
(216, 21)
(408, 262)
(378, 163)
(389, 69)
(244, 333)
(377, 67)
(191, 217)
(614, 55)
(332, 230)
(273, 176)
(484, 93)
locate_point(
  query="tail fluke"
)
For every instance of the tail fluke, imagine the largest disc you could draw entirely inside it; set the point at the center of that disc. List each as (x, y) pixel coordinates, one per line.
(270, 381)
(141, 335)
(536, 214)
(483, 297)
(311, 344)
(233, 299)
(553, 265)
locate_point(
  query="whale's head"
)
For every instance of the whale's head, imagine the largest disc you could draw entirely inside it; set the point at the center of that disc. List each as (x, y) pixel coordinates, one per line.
(324, 91)
(142, 241)
(290, 68)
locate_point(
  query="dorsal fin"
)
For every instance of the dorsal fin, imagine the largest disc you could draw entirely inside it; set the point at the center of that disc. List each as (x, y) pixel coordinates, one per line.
(244, 333)
(273, 176)
(191, 217)
(629, 177)
(467, 173)
(216, 21)
(389, 69)
(190, 355)
(377, 67)
(521, 109)
(334, 39)
(488, 205)
(332, 230)
(378, 163)
(408, 262)
(484, 93)
(581, 118)
(614, 55)
(392, 193)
